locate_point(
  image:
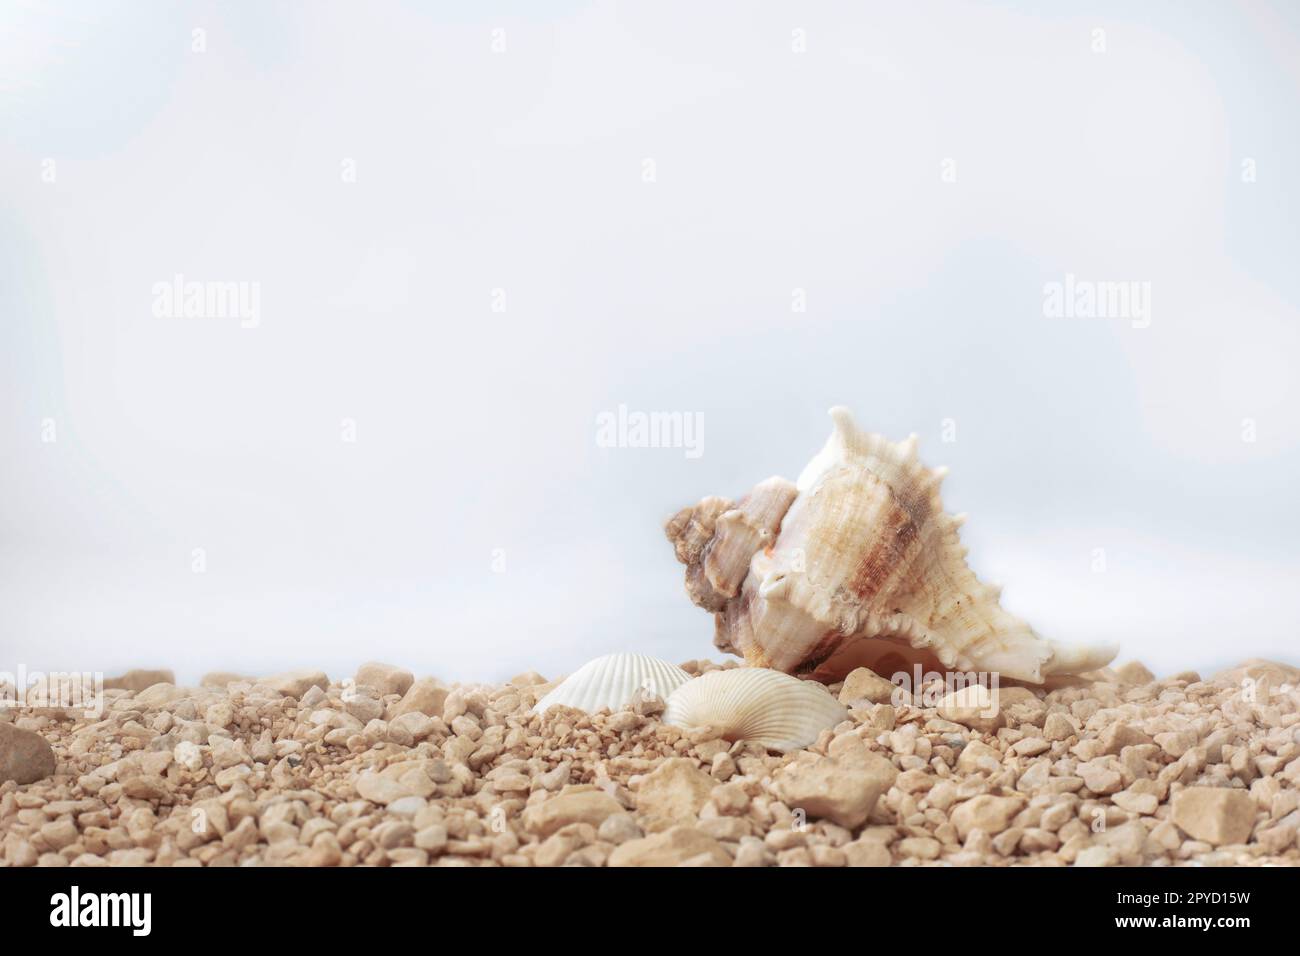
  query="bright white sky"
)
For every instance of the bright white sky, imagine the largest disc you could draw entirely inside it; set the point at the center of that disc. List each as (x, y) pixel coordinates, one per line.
(523, 171)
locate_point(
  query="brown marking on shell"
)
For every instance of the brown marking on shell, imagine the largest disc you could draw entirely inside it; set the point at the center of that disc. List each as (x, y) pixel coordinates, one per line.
(691, 529)
(880, 563)
(716, 539)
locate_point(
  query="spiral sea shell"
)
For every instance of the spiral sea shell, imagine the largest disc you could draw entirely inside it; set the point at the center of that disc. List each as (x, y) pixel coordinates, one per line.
(756, 704)
(614, 681)
(857, 563)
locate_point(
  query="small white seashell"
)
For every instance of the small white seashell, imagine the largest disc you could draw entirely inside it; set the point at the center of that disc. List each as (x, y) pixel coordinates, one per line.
(614, 681)
(757, 704)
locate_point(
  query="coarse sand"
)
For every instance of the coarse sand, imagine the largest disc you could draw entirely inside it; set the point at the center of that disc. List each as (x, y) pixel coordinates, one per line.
(382, 769)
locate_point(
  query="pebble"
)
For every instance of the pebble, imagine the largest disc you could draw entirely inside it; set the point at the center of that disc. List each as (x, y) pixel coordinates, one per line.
(1118, 736)
(670, 848)
(1096, 856)
(619, 828)
(25, 756)
(575, 804)
(1214, 815)
(1057, 726)
(384, 678)
(674, 793)
(986, 812)
(920, 848)
(844, 790)
(425, 696)
(138, 680)
(1141, 803)
(297, 683)
(973, 706)
(865, 684)
(867, 853)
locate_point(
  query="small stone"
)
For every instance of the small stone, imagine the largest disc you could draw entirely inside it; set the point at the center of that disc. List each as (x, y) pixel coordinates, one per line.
(988, 813)
(25, 756)
(221, 679)
(527, 679)
(145, 787)
(432, 838)
(1134, 673)
(554, 850)
(729, 829)
(407, 806)
(393, 834)
(1141, 803)
(750, 853)
(670, 848)
(843, 790)
(1100, 776)
(59, 833)
(137, 680)
(1035, 777)
(978, 756)
(730, 798)
(625, 721)
(297, 683)
(973, 706)
(363, 705)
(1058, 727)
(618, 828)
(674, 793)
(779, 840)
(511, 782)
(425, 696)
(159, 695)
(865, 684)
(412, 778)
(1030, 747)
(578, 804)
(920, 848)
(414, 724)
(1118, 736)
(823, 855)
(384, 678)
(867, 852)
(723, 767)
(556, 777)
(1176, 743)
(1096, 856)
(1214, 815)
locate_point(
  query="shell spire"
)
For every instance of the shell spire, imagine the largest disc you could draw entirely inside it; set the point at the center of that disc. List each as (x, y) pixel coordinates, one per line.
(856, 563)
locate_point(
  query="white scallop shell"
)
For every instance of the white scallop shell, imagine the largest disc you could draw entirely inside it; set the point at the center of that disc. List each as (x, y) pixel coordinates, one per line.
(756, 704)
(613, 682)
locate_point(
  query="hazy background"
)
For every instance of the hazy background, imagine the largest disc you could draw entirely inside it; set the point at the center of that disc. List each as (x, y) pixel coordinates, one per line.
(1170, 156)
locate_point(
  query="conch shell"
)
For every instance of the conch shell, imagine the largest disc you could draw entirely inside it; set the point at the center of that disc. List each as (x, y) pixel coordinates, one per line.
(855, 564)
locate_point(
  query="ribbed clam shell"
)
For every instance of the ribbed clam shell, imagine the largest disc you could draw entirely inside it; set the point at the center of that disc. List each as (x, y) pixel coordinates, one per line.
(614, 681)
(755, 704)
